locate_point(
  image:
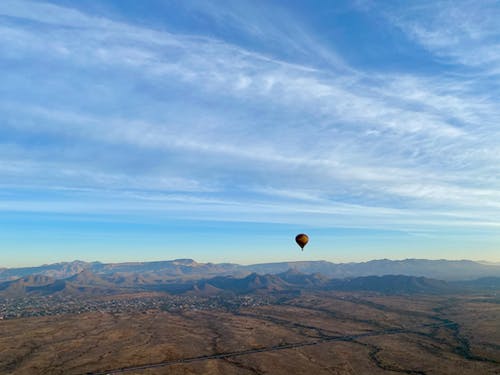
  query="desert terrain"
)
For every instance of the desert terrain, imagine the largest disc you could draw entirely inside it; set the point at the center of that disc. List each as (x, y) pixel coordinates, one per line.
(323, 332)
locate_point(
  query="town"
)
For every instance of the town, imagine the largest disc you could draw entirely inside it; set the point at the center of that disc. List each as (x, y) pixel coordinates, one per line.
(13, 308)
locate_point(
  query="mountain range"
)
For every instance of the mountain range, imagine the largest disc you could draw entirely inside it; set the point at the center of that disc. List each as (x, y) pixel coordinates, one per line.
(188, 269)
(87, 283)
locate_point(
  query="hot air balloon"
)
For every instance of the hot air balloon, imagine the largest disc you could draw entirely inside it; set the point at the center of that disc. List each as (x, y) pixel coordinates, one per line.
(302, 240)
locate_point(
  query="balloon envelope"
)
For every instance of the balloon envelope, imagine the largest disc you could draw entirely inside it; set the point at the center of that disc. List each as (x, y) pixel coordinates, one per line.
(302, 240)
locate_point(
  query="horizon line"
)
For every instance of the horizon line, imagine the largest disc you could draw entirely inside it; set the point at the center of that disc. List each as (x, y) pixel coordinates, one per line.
(250, 264)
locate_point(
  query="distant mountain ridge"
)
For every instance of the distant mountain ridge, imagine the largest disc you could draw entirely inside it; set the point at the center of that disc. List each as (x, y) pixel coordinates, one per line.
(186, 269)
(437, 269)
(87, 283)
(249, 284)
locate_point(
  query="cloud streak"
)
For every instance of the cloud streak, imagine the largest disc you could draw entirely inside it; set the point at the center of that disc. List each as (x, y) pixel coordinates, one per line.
(143, 114)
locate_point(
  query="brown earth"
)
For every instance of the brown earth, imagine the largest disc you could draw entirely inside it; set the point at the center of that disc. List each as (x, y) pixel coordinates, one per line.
(331, 333)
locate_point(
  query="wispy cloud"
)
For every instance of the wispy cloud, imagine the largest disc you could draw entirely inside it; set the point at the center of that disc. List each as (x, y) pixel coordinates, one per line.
(464, 31)
(242, 132)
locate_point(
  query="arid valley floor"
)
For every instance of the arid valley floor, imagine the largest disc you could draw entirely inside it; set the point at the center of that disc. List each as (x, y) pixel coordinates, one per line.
(307, 333)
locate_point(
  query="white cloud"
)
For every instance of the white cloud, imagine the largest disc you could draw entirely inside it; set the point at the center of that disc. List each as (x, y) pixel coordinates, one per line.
(141, 113)
(464, 31)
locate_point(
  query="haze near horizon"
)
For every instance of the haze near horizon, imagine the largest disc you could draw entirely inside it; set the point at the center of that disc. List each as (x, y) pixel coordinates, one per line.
(217, 131)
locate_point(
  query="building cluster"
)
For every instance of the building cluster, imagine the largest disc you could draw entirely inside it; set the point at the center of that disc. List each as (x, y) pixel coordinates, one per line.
(59, 305)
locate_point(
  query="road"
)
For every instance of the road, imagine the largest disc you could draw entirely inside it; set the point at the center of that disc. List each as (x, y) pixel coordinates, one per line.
(392, 331)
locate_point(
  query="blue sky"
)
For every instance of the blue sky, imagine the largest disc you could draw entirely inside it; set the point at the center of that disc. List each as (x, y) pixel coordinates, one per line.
(217, 130)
